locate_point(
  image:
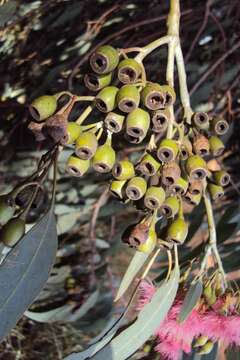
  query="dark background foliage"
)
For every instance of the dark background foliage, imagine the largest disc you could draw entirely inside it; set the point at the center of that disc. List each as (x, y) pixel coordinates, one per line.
(44, 48)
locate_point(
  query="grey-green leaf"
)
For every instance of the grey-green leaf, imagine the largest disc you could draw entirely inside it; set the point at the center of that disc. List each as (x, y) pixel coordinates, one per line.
(149, 319)
(26, 270)
(135, 265)
(190, 301)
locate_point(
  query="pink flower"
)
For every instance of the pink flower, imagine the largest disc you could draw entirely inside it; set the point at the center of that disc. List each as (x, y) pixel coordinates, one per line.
(175, 337)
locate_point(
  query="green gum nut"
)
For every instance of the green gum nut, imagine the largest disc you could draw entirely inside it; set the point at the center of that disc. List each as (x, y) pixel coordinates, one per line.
(95, 82)
(123, 170)
(136, 188)
(12, 232)
(43, 107)
(128, 98)
(153, 96)
(104, 159)
(216, 146)
(86, 145)
(200, 341)
(129, 71)
(200, 120)
(106, 99)
(177, 231)
(170, 95)
(116, 188)
(104, 59)
(221, 177)
(154, 197)
(206, 349)
(114, 122)
(186, 148)
(180, 186)
(77, 167)
(7, 209)
(196, 167)
(149, 165)
(148, 246)
(171, 172)
(192, 199)
(216, 191)
(170, 207)
(209, 295)
(160, 119)
(137, 123)
(167, 150)
(219, 126)
(73, 132)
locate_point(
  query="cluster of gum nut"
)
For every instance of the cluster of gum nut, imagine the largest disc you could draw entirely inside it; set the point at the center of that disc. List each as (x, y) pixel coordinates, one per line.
(172, 171)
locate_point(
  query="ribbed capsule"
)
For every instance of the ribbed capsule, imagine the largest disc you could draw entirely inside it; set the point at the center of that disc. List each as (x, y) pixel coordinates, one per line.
(201, 120)
(105, 59)
(154, 197)
(170, 207)
(171, 172)
(160, 119)
(216, 191)
(114, 122)
(12, 231)
(104, 159)
(123, 170)
(43, 107)
(219, 126)
(196, 167)
(77, 167)
(136, 188)
(177, 231)
(148, 165)
(167, 150)
(7, 209)
(73, 132)
(221, 177)
(86, 145)
(96, 82)
(137, 123)
(153, 96)
(116, 188)
(216, 146)
(129, 70)
(106, 99)
(128, 98)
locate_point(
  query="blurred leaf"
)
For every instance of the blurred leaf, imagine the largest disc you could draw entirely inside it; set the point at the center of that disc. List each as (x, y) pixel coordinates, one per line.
(190, 301)
(7, 11)
(26, 270)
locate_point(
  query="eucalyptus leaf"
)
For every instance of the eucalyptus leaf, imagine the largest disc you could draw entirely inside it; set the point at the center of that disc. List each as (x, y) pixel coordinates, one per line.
(149, 319)
(190, 301)
(25, 271)
(135, 265)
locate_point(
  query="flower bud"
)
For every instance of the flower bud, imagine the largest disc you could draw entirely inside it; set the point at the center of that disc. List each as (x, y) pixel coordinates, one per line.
(148, 165)
(221, 177)
(104, 59)
(170, 95)
(43, 107)
(192, 199)
(104, 159)
(12, 231)
(7, 209)
(150, 244)
(128, 98)
(129, 71)
(136, 188)
(201, 145)
(154, 197)
(177, 231)
(179, 187)
(114, 122)
(73, 132)
(219, 126)
(170, 207)
(106, 99)
(167, 150)
(123, 170)
(116, 188)
(201, 120)
(77, 167)
(153, 96)
(137, 123)
(171, 172)
(196, 167)
(200, 341)
(206, 349)
(86, 145)
(216, 191)
(186, 148)
(160, 120)
(216, 146)
(195, 187)
(95, 82)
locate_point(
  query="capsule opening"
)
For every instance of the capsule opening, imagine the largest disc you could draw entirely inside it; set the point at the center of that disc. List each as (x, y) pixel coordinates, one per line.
(127, 75)
(101, 105)
(148, 168)
(169, 180)
(168, 99)
(34, 112)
